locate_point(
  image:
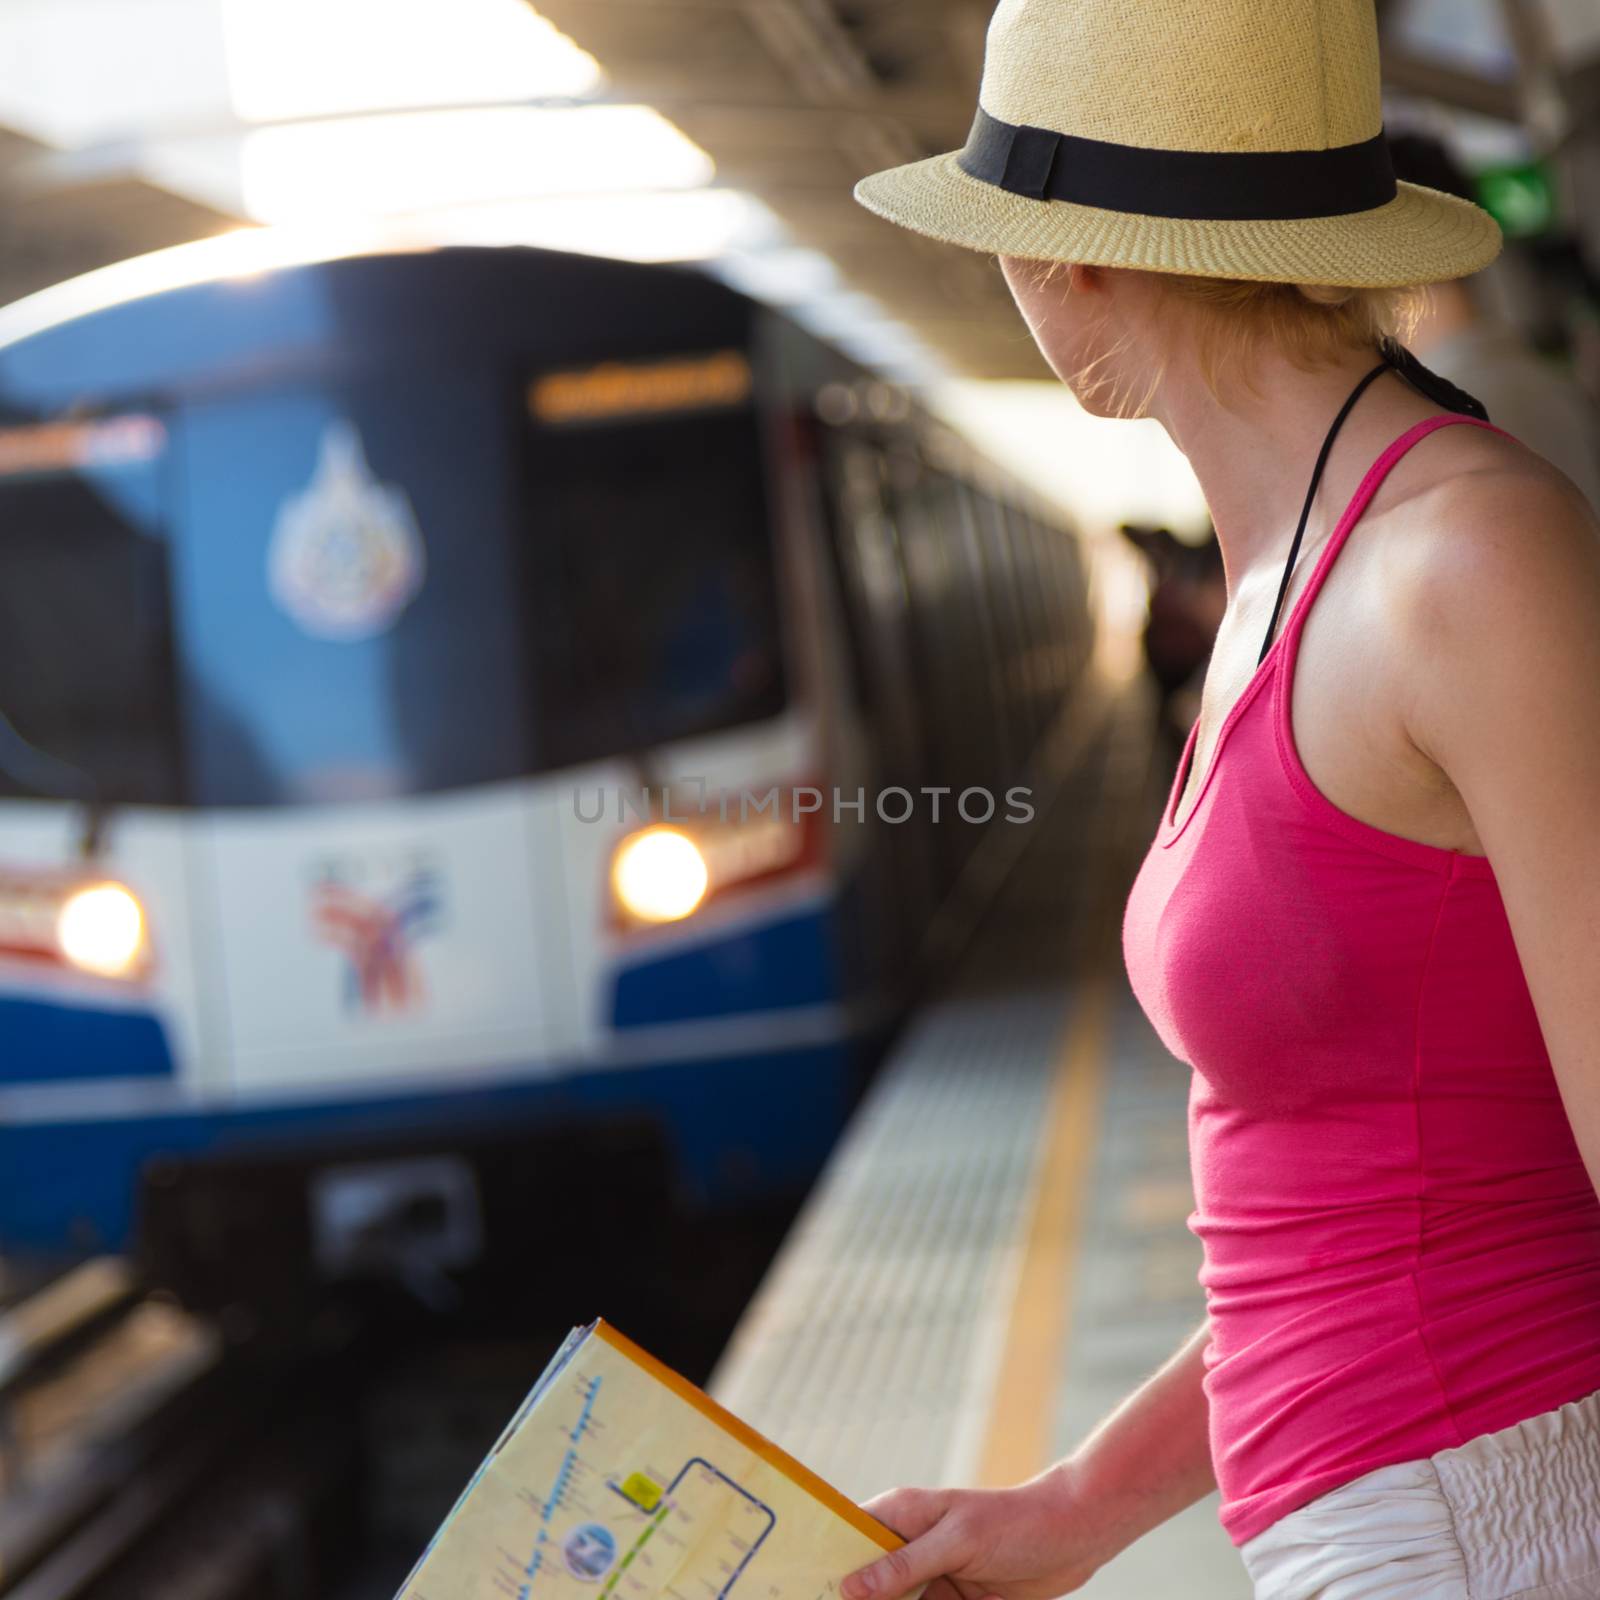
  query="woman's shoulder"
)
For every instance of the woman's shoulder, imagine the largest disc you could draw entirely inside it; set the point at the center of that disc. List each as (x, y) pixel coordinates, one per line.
(1488, 537)
(1465, 486)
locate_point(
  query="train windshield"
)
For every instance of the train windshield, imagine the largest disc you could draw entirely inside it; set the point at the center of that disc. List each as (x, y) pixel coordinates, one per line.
(359, 591)
(660, 619)
(87, 673)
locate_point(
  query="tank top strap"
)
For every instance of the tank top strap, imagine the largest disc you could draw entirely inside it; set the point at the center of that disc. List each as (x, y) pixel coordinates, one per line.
(1370, 484)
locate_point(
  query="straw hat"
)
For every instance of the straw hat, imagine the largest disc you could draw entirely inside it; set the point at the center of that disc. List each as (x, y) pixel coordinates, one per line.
(1224, 138)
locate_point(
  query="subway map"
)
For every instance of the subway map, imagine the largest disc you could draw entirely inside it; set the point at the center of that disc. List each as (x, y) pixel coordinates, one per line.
(618, 1480)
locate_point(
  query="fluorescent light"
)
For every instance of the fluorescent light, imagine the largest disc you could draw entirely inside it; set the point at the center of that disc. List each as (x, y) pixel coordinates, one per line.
(311, 58)
(691, 226)
(82, 72)
(845, 312)
(414, 161)
(79, 72)
(784, 276)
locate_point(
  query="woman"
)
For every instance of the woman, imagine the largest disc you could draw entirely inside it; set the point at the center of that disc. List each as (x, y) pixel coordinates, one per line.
(1368, 917)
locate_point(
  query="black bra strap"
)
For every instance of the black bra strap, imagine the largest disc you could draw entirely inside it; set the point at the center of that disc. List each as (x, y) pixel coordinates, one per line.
(1305, 510)
(1427, 383)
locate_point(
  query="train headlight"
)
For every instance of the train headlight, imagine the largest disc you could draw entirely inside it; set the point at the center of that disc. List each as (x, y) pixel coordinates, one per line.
(659, 875)
(100, 929)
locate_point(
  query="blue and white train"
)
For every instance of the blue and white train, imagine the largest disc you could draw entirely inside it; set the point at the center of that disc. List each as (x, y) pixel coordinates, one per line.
(444, 690)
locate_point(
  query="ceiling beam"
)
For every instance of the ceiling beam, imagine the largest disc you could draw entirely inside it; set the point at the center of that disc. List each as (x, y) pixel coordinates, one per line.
(1414, 73)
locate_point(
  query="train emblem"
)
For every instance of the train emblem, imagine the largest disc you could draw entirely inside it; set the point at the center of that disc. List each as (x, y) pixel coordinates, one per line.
(346, 556)
(377, 932)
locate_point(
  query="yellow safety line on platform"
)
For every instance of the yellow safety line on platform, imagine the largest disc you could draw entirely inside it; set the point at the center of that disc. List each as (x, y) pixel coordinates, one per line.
(1020, 1438)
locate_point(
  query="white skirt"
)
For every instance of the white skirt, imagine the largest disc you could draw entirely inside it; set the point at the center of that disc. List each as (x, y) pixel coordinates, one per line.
(1510, 1513)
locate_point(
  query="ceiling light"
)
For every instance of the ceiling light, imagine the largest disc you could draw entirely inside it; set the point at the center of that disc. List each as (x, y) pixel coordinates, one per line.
(413, 161)
(692, 225)
(311, 58)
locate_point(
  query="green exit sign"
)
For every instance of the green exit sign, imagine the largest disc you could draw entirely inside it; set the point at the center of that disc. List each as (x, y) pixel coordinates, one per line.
(1522, 199)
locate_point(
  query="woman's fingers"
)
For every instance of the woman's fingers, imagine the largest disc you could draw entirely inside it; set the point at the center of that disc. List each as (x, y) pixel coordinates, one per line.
(929, 1556)
(908, 1511)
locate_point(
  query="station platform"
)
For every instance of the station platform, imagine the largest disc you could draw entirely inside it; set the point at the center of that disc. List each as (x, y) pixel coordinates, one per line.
(996, 1252)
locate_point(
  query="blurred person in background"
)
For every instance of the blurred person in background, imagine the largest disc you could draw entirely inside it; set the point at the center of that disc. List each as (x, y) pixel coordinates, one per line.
(1462, 340)
(1366, 918)
(1188, 594)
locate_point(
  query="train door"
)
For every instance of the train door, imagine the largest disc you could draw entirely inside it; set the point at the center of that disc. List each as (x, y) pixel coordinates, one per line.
(1007, 579)
(876, 590)
(1001, 759)
(947, 649)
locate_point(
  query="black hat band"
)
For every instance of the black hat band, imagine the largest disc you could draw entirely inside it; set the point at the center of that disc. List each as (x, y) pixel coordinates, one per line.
(1202, 185)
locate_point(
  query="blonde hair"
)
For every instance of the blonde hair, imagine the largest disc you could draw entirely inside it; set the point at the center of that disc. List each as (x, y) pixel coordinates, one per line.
(1310, 323)
(1232, 320)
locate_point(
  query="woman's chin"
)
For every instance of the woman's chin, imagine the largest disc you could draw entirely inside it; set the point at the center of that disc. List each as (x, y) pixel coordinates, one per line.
(1096, 404)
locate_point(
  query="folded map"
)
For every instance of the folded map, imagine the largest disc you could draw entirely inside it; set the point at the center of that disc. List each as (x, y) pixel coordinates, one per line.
(617, 1479)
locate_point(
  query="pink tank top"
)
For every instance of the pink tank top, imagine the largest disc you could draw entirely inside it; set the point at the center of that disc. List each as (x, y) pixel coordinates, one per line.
(1401, 1243)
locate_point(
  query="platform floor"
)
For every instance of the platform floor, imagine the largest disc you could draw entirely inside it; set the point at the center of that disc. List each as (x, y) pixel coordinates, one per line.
(996, 1253)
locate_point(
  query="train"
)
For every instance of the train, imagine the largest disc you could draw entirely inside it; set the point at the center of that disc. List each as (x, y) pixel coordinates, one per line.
(449, 693)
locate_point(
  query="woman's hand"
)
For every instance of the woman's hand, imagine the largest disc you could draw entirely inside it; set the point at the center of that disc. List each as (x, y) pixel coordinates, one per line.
(1147, 1461)
(1032, 1542)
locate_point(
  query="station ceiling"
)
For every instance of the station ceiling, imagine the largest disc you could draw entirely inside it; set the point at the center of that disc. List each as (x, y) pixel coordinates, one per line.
(50, 232)
(796, 99)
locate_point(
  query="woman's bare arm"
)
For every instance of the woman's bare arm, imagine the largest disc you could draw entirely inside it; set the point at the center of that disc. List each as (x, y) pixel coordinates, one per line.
(1152, 1456)
(1148, 1460)
(1501, 620)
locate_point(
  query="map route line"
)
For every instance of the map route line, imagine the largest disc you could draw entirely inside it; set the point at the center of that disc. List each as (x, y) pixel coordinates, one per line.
(592, 1388)
(638, 1544)
(674, 1501)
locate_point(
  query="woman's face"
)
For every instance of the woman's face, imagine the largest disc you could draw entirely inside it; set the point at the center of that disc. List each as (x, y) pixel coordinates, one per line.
(1074, 314)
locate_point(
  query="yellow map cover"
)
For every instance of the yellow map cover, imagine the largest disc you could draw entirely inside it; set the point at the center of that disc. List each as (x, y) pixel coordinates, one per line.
(618, 1479)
